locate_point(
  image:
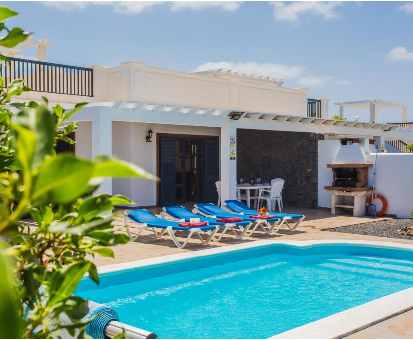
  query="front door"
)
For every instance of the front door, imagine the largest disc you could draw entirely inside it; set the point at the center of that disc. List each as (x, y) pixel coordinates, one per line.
(188, 169)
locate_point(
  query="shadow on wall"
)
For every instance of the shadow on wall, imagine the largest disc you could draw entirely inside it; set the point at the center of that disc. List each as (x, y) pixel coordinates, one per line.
(292, 156)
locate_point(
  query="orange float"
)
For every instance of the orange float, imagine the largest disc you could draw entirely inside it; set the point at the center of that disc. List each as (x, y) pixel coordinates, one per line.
(383, 201)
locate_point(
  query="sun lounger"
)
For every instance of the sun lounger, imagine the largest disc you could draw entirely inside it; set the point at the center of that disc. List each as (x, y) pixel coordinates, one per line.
(239, 229)
(210, 210)
(241, 208)
(145, 219)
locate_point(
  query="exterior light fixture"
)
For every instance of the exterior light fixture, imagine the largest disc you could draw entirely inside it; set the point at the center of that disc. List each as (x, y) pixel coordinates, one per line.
(236, 116)
(357, 118)
(149, 134)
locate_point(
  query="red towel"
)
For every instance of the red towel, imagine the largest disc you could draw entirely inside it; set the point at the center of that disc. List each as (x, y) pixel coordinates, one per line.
(193, 224)
(262, 217)
(229, 219)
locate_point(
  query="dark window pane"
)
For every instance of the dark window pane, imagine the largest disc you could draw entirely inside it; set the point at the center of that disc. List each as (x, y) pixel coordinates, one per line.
(178, 193)
(178, 162)
(178, 177)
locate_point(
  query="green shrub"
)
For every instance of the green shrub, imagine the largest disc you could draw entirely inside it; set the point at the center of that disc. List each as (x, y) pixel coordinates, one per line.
(56, 191)
(336, 117)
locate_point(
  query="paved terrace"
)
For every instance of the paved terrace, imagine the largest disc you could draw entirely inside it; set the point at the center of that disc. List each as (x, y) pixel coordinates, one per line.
(312, 228)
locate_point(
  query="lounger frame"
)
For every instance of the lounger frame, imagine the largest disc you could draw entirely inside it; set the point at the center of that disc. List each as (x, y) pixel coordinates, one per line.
(169, 230)
(223, 229)
(262, 224)
(282, 221)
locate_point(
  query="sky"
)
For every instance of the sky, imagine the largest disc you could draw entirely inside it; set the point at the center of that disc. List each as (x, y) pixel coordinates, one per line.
(343, 51)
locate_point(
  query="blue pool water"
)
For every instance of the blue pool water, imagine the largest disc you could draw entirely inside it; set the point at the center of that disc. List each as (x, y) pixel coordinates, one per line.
(253, 293)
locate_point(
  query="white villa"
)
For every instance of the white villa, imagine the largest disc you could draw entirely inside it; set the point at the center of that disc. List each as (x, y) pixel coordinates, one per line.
(192, 129)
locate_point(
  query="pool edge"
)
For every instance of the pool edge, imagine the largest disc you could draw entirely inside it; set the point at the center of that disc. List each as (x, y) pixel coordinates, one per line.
(333, 326)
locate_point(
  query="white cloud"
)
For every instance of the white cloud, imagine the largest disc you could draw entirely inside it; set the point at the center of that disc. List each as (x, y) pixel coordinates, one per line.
(229, 6)
(266, 69)
(315, 81)
(407, 8)
(400, 53)
(137, 7)
(293, 10)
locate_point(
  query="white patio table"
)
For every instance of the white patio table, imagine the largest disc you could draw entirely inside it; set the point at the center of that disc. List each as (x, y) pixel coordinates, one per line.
(254, 187)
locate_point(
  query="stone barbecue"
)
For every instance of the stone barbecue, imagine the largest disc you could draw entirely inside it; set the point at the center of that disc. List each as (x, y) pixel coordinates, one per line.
(349, 188)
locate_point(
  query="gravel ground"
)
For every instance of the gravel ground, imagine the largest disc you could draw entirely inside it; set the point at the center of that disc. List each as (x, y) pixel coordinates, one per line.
(384, 228)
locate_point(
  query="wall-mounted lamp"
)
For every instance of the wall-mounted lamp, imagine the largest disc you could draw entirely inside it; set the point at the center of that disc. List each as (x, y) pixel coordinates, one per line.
(236, 116)
(357, 118)
(149, 134)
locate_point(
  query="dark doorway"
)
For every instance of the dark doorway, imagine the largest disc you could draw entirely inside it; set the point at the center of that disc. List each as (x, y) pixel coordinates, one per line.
(188, 169)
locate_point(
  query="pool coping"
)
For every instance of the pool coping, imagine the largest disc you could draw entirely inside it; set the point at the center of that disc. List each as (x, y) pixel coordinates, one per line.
(334, 326)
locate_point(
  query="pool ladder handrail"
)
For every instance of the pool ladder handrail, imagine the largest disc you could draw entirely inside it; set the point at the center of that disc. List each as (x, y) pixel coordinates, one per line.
(115, 328)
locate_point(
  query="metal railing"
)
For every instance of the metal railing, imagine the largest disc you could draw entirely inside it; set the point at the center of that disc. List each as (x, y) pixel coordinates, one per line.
(314, 108)
(406, 124)
(399, 145)
(47, 77)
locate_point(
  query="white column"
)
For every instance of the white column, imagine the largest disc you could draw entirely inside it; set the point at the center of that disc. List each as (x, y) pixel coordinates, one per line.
(41, 53)
(404, 114)
(324, 108)
(102, 142)
(372, 113)
(228, 163)
(342, 111)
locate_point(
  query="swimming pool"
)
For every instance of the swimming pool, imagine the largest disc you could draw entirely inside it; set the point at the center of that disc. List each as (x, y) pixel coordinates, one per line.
(253, 292)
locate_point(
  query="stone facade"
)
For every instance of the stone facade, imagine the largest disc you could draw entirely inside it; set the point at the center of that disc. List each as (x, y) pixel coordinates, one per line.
(292, 156)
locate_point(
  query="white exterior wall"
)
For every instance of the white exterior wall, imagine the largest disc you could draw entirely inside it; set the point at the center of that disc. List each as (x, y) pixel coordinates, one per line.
(394, 177)
(129, 144)
(83, 137)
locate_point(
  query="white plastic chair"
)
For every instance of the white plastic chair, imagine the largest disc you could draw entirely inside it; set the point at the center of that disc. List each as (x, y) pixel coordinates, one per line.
(272, 196)
(238, 192)
(281, 196)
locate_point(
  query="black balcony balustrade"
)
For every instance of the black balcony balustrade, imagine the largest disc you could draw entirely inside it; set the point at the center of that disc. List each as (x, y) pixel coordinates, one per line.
(48, 77)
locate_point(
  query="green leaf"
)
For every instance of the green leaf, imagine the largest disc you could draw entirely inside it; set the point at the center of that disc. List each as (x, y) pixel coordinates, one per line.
(94, 206)
(121, 239)
(58, 110)
(119, 199)
(40, 122)
(106, 252)
(45, 100)
(93, 273)
(25, 146)
(6, 13)
(110, 167)
(80, 308)
(65, 227)
(68, 282)
(101, 236)
(10, 321)
(62, 179)
(14, 37)
(77, 107)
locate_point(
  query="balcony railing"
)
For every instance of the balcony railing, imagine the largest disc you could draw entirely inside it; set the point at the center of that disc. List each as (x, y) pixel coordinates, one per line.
(406, 124)
(314, 108)
(47, 77)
